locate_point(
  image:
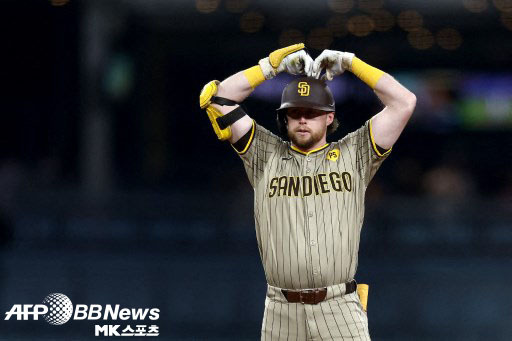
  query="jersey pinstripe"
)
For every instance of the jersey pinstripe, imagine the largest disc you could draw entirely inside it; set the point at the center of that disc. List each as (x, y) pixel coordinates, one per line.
(309, 207)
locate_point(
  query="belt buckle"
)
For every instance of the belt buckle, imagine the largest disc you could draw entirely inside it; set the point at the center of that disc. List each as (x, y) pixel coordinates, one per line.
(307, 291)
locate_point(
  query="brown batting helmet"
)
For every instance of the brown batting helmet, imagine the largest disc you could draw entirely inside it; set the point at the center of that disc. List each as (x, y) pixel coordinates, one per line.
(306, 92)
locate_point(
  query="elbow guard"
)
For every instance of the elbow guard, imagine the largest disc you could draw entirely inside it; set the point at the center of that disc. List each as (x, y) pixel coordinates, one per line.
(220, 123)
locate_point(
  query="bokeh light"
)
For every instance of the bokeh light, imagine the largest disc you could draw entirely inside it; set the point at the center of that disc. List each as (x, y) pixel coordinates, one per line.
(383, 20)
(251, 22)
(421, 38)
(360, 25)
(319, 38)
(59, 2)
(506, 20)
(337, 25)
(449, 38)
(410, 20)
(207, 6)
(475, 6)
(236, 6)
(290, 37)
(503, 5)
(371, 5)
(340, 6)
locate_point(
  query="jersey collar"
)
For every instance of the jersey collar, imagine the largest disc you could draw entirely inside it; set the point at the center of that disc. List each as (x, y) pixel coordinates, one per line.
(309, 152)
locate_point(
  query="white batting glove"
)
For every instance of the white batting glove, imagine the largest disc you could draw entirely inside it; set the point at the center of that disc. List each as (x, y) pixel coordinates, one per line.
(297, 63)
(334, 62)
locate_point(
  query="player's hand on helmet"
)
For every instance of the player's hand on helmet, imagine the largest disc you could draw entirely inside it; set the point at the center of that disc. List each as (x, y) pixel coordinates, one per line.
(297, 63)
(334, 62)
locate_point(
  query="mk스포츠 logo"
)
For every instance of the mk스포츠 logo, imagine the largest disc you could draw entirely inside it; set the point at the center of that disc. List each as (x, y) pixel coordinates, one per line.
(57, 309)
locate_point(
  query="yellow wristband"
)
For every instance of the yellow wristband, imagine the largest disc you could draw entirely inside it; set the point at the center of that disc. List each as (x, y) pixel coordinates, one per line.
(367, 73)
(254, 75)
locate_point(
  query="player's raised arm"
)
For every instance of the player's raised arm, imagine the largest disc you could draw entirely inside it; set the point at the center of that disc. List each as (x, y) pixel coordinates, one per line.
(221, 99)
(399, 102)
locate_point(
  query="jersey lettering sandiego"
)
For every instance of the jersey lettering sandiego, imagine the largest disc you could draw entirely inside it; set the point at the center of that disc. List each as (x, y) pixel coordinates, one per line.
(309, 207)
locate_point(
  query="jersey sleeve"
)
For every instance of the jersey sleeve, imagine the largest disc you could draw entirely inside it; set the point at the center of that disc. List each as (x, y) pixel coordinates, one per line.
(369, 156)
(256, 150)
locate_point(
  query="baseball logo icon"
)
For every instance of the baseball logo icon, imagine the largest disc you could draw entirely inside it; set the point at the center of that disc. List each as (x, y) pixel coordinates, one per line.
(60, 309)
(333, 155)
(303, 88)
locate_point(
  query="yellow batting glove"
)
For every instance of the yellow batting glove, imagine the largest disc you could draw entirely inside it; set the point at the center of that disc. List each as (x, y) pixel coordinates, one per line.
(362, 291)
(279, 61)
(292, 59)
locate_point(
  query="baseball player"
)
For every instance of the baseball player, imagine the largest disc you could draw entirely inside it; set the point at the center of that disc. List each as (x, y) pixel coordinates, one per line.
(308, 193)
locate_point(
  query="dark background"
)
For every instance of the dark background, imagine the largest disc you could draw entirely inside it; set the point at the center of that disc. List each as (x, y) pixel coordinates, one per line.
(115, 190)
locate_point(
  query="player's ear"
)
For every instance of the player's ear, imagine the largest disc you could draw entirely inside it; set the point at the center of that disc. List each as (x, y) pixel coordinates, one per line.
(330, 117)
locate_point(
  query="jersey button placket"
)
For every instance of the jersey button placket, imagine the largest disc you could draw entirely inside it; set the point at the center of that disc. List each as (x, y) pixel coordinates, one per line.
(312, 228)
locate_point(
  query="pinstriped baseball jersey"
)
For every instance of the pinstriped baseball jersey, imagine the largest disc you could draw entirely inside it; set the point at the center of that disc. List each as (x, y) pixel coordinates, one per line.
(309, 207)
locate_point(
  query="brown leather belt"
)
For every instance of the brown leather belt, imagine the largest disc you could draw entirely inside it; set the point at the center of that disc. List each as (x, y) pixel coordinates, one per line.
(313, 296)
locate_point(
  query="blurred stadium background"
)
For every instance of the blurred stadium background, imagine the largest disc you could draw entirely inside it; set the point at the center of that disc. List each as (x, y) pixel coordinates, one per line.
(114, 189)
